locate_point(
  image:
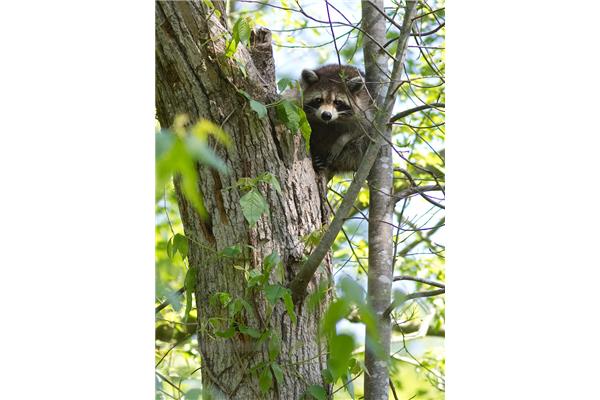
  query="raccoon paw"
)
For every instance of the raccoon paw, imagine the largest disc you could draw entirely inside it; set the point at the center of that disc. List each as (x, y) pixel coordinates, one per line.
(319, 163)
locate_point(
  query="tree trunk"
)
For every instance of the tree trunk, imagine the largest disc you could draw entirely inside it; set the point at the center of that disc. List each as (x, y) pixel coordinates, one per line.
(381, 202)
(194, 77)
(380, 215)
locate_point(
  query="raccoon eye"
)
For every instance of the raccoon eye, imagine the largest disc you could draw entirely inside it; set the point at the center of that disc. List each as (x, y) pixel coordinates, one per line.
(338, 102)
(318, 100)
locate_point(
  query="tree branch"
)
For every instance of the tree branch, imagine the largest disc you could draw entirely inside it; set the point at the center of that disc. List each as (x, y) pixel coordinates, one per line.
(416, 187)
(300, 282)
(414, 190)
(405, 31)
(416, 295)
(405, 113)
(421, 280)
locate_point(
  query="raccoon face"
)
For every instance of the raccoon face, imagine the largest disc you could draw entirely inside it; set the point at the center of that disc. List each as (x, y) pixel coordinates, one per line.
(328, 106)
(326, 99)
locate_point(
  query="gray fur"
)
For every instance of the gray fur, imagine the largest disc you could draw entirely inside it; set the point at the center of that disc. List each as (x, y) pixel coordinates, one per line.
(355, 84)
(337, 145)
(309, 76)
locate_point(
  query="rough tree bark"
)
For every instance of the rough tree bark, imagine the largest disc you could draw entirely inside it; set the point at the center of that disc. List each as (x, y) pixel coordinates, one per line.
(194, 77)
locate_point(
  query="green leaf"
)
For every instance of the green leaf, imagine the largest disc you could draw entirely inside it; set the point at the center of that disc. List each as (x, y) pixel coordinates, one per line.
(234, 308)
(180, 244)
(240, 33)
(271, 261)
(204, 127)
(278, 372)
(255, 278)
(249, 331)
(231, 47)
(349, 384)
(170, 250)
(163, 142)
(305, 128)
(199, 150)
(294, 118)
(227, 333)
(340, 353)
(265, 380)
(271, 179)
(354, 366)
(326, 375)
(284, 83)
(241, 30)
(253, 206)
(274, 347)
(175, 158)
(289, 306)
(231, 251)
(258, 107)
(317, 392)
(286, 112)
(274, 293)
(223, 298)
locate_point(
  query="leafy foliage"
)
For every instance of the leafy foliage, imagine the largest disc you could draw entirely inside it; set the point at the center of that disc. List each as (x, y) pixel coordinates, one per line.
(294, 118)
(239, 34)
(178, 151)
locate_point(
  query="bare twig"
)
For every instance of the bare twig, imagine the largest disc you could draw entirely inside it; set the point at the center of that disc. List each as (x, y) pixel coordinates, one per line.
(421, 280)
(416, 189)
(411, 296)
(413, 110)
(337, 51)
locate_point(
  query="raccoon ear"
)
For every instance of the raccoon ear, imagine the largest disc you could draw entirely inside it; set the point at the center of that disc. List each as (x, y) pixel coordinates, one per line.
(355, 84)
(309, 76)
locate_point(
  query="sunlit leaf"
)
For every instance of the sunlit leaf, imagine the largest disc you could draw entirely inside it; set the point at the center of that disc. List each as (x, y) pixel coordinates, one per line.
(180, 244)
(284, 83)
(253, 206)
(204, 127)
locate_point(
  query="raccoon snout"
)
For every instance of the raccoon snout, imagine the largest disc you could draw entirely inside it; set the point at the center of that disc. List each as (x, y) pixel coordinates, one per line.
(325, 115)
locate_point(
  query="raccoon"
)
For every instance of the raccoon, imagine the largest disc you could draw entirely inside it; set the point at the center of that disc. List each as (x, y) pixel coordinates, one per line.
(338, 108)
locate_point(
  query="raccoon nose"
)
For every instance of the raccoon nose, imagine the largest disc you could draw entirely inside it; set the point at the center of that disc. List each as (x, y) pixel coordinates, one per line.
(326, 116)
